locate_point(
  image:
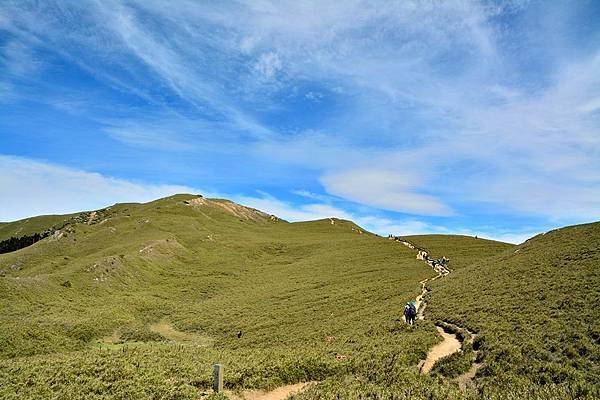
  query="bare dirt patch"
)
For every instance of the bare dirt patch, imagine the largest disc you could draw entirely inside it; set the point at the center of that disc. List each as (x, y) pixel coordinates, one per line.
(169, 332)
(232, 208)
(162, 248)
(280, 393)
(449, 345)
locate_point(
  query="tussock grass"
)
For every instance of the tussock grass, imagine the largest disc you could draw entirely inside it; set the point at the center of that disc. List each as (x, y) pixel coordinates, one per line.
(140, 300)
(145, 278)
(536, 308)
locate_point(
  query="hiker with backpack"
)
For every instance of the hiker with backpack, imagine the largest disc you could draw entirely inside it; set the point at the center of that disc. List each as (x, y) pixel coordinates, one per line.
(410, 312)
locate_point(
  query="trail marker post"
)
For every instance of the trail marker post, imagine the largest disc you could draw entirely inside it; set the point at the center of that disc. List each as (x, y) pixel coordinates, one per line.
(218, 378)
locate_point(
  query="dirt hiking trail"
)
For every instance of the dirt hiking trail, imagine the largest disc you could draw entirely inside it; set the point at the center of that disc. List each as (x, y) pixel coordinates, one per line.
(450, 341)
(449, 345)
(280, 393)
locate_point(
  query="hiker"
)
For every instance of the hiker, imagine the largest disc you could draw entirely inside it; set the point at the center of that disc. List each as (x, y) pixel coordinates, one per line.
(410, 313)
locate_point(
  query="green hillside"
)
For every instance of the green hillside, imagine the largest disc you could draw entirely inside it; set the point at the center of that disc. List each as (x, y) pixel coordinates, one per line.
(537, 310)
(141, 299)
(30, 226)
(461, 250)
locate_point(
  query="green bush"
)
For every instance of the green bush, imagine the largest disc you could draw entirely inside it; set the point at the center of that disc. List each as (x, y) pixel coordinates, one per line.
(454, 365)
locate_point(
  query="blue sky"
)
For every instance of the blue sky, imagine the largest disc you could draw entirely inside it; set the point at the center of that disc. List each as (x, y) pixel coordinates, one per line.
(407, 117)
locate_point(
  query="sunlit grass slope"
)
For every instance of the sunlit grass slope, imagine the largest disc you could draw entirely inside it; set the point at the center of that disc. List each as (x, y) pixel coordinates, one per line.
(30, 226)
(138, 300)
(537, 310)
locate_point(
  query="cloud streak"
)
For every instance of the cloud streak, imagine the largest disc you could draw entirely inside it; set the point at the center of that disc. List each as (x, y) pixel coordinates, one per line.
(68, 190)
(39, 188)
(390, 190)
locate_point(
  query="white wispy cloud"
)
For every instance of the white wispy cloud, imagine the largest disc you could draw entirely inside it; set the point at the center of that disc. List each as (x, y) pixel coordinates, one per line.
(373, 223)
(291, 212)
(38, 188)
(433, 110)
(145, 136)
(68, 190)
(267, 66)
(315, 211)
(385, 189)
(315, 196)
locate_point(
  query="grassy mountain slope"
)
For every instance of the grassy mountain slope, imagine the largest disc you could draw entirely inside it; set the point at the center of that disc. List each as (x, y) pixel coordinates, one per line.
(31, 225)
(461, 250)
(537, 310)
(138, 300)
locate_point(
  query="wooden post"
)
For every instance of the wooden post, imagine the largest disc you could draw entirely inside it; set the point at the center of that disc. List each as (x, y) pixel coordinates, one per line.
(218, 378)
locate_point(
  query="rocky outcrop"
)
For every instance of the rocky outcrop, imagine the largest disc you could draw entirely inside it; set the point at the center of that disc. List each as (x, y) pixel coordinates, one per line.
(242, 212)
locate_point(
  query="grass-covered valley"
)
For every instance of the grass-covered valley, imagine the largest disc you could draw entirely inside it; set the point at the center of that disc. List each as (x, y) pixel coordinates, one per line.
(139, 300)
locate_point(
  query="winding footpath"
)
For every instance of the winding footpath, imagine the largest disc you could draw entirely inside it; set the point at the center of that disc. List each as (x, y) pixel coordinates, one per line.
(451, 342)
(448, 346)
(280, 393)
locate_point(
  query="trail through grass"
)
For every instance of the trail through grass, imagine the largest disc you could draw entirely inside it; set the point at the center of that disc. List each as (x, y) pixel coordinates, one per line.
(449, 345)
(451, 342)
(139, 300)
(535, 309)
(158, 292)
(280, 393)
